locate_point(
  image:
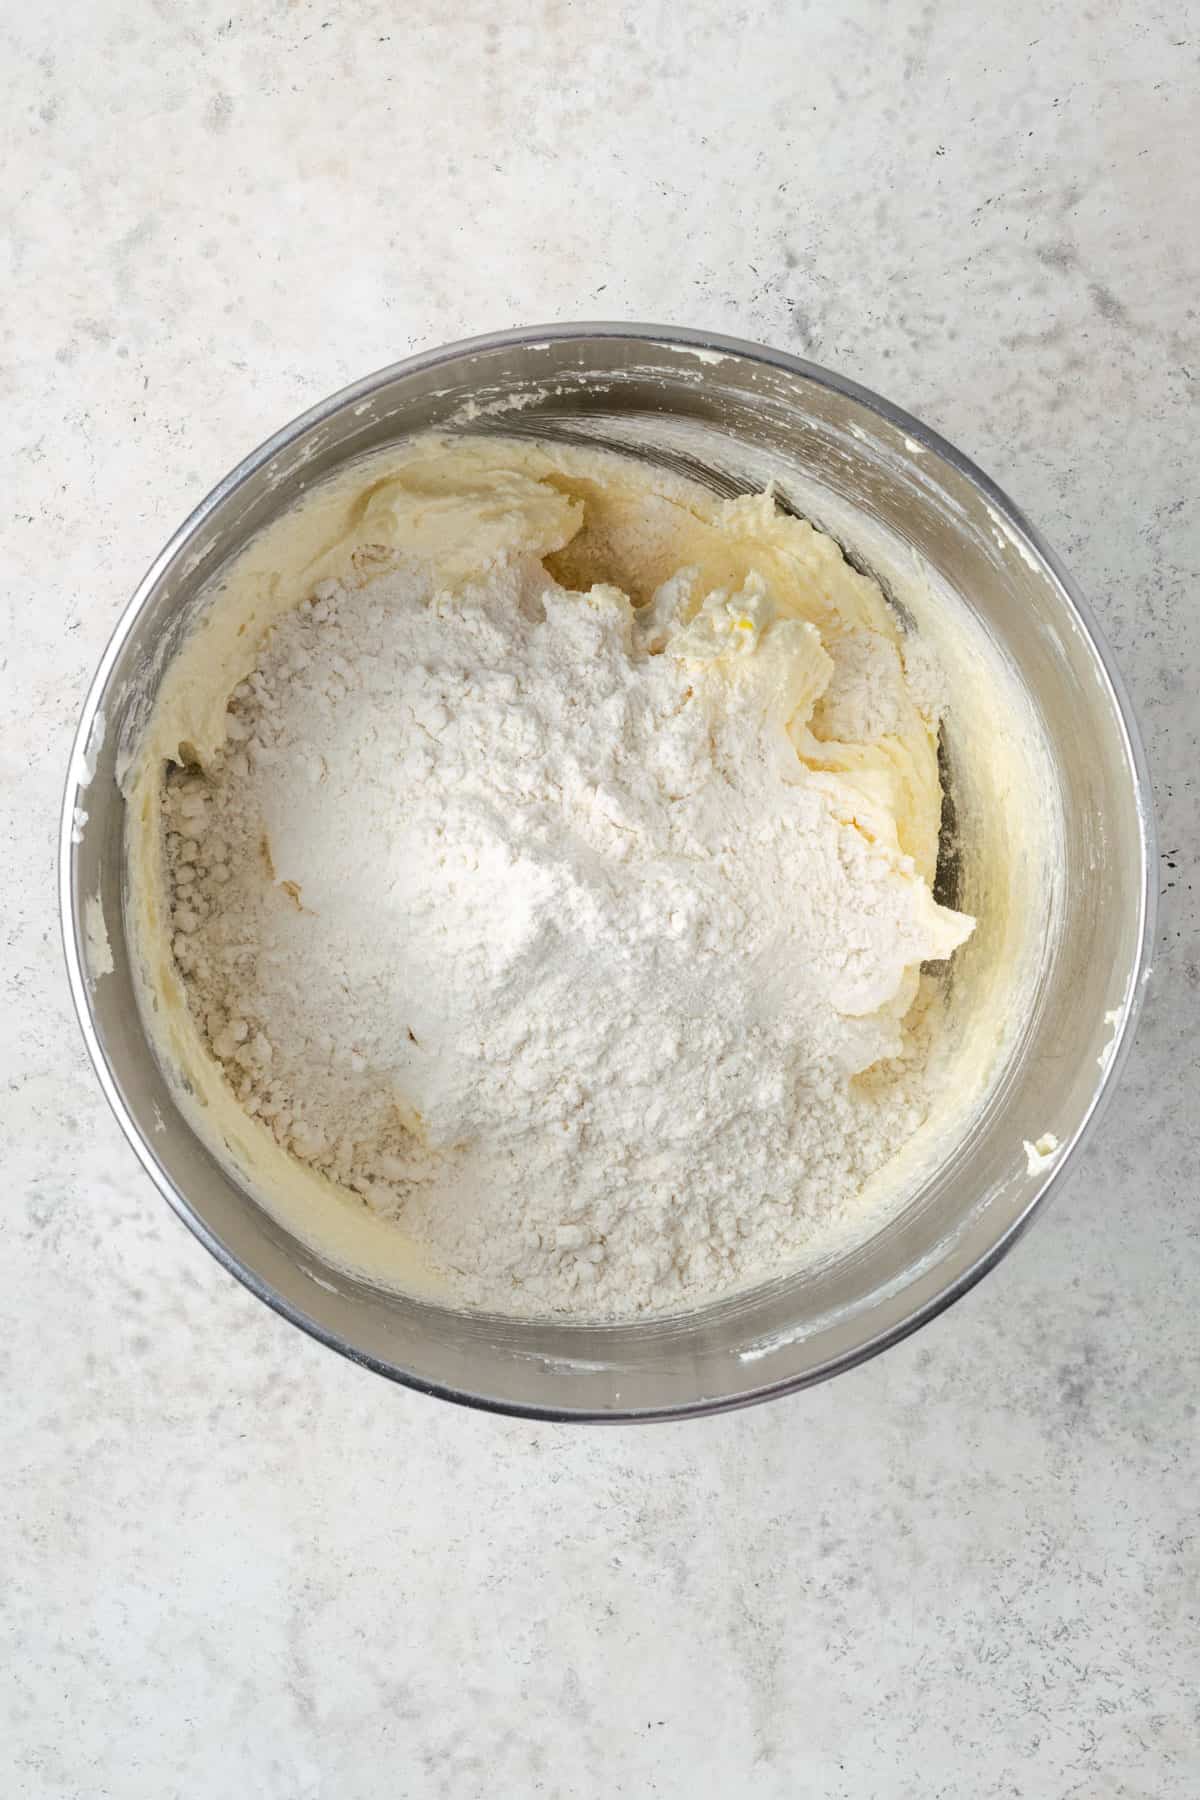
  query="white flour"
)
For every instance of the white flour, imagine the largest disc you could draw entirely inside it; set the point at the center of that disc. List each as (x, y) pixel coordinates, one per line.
(517, 913)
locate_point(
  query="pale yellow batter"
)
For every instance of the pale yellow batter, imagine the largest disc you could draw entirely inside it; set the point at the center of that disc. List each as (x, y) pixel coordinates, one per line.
(593, 519)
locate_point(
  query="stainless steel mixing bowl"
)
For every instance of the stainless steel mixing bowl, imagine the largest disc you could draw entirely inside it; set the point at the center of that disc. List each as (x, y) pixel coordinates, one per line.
(743, 410)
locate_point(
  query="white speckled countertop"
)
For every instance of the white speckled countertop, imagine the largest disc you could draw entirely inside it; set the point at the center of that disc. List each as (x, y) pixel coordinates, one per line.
(232, 1563)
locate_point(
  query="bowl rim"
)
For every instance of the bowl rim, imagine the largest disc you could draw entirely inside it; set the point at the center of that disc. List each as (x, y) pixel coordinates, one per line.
(661, 337)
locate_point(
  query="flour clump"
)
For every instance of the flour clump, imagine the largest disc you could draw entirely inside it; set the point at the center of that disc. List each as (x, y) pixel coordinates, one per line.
(562, 883)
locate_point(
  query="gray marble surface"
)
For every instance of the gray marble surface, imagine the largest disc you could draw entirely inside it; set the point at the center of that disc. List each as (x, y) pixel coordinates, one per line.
(232, 1564)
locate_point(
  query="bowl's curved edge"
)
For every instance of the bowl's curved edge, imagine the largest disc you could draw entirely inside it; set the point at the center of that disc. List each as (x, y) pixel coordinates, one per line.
(686, 340)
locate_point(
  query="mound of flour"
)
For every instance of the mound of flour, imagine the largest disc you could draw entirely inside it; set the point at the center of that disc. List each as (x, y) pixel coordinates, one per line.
(516, 913)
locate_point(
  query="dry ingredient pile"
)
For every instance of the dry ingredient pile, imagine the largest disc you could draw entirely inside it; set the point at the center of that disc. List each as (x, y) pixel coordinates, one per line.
(580, 937)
